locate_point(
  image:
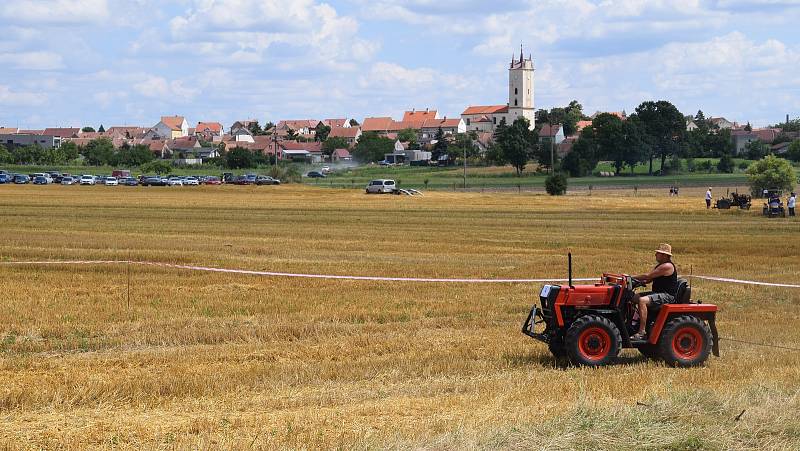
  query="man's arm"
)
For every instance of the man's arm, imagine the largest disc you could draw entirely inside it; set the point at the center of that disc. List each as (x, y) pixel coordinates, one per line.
(660, 271)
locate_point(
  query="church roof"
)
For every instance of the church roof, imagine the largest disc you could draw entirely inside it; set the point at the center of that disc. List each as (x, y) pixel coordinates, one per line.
(491, 109)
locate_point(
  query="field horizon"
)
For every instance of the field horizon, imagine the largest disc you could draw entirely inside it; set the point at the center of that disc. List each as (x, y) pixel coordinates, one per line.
(192, 360)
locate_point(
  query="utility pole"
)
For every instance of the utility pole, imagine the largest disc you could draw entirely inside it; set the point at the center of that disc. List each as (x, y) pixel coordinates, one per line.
(275, 143)
(465, 166)
(551, 138)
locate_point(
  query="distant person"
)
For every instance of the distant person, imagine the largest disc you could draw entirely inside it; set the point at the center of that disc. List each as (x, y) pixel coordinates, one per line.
(791, 203)
(676, 191)
(708, 198)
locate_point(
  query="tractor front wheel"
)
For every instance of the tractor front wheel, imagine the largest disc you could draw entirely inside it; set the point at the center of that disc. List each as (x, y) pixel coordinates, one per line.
(685, 341)
(592, 341)
(556, 347)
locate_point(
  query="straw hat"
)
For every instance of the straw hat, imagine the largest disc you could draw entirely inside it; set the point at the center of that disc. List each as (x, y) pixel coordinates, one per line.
(664, 248)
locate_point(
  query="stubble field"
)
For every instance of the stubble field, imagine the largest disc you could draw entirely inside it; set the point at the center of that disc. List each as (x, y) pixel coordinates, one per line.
(195, 360)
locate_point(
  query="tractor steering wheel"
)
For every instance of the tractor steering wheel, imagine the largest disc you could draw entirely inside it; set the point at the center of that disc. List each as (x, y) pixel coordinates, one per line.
(636, 283)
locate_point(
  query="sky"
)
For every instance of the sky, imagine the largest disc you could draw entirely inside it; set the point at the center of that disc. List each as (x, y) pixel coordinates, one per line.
(128, 62)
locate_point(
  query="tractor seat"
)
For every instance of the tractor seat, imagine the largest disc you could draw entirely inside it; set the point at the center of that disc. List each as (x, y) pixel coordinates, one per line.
(684, 293)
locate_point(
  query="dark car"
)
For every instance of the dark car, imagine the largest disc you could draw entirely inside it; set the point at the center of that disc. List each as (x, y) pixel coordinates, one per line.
(154, 181)
(267, 180)
(128, 181)
(315, 175)
(211, 180)
(21, 179)
(228, 177)
(40, 180)
(5, 178)
(249, 179)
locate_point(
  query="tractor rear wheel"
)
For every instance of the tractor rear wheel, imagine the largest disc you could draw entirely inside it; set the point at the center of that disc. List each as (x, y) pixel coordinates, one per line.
(685, 341)
(592, 341)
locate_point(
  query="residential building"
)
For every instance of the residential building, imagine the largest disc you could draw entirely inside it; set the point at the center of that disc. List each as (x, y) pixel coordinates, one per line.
(169, 127)
(303, 127)
(208, 131)
(551, 133)
(71, 132)
(9, 130)
(430, 128)
(350, 134)
(722, 123)
(580, 125)
(29, 139)
(741, 138)
(340, 155)
(334, 123)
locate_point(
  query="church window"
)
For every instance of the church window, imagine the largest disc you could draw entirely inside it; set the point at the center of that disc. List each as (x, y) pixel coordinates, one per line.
(515, 91)
(515, 102)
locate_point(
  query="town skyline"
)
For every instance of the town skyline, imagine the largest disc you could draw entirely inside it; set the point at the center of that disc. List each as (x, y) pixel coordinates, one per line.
(86, 63)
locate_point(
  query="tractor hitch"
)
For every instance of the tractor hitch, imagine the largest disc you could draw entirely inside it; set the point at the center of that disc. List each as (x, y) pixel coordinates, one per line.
(529, 326)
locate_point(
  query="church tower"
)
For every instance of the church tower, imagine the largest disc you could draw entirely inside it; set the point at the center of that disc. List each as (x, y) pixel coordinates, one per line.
(520, 89)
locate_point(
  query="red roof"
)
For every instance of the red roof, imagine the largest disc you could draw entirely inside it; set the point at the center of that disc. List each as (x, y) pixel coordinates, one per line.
(187, 142)
(31, 132)
(343, 132)
(492, 109)
(203, 127)
(549, 130)
(296, 145)
(173, 122)
(332, 123)
(8, 130)
(441, 123)
(580, 125)
(373, 124)
(298, 124)
(341, 153)
(62, 132)
(419, 116)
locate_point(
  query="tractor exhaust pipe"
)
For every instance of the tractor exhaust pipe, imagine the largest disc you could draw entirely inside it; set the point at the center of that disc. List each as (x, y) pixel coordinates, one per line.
(569, 268)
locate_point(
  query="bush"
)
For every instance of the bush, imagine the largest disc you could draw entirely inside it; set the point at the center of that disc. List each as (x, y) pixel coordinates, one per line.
(725, 164)
(770, 173)
(743, 165)
(705, 166)
(156, 166)
(556, 184)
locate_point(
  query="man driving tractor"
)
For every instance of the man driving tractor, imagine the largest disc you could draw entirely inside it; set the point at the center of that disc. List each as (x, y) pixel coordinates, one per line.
(665, 283)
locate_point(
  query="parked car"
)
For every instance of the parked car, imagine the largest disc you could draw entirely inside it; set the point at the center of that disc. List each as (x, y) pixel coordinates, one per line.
(228, 177)
(154, 181)
(325, 170)
(87, 180)
(175, 181)
(128, 181)
(68, 180)
(315, 175)
(22, 179)
(211, 180)
(381, 186)
(40, 180)
(191, 181)
(120, 173)
(267, 180)
(110, 181)
(6, 178)
(245, 180)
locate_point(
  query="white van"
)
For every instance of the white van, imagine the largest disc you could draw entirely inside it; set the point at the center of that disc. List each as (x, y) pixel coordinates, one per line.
(381, 187)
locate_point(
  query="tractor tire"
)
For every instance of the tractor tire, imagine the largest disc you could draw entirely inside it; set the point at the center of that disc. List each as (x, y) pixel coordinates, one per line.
(685, 341)
(592, 341)
(556, 347)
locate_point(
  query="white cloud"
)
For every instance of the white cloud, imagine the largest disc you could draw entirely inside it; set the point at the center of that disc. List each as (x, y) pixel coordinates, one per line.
(59, 12)
(33, 60)
(22, 99)
(159, 87)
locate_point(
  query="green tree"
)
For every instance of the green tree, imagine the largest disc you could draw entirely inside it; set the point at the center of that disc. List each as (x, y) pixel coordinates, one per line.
(407, 135)
(239, 158)
(756, 150)
(440, 148)
(556, 184)
(663, 128)
(372, 147)
(291, 135)
(101, 129)
(99, 152)
(70, 150)
(5, 155)
(88, 129)
(334, 143)
(617, 140)
(584, 155)
(255, 129)
(321, 132)
(464, 143)
(135, 156)
(157, 167)
(793, 152)
(770, 173)
(725, 164)
(53, 156)
(517, 143)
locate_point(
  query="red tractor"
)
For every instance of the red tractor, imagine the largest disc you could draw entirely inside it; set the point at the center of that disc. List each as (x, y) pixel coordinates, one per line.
(590, 324)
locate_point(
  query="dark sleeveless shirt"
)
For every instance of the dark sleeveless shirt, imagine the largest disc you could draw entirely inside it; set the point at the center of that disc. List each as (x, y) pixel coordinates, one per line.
(666, 284)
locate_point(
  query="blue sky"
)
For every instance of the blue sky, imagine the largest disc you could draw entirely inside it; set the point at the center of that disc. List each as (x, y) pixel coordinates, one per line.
(115, 62)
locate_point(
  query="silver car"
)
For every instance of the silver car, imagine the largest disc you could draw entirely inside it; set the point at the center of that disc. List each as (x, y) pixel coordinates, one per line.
(381, 186)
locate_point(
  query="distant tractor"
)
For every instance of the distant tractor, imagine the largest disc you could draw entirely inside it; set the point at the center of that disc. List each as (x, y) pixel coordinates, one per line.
(743, 201)
(773, 207)
(590, 324)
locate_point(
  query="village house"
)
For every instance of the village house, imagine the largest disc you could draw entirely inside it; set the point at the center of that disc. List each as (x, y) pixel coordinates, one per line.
(349, 134)
(169, 127)
(72, 132)
(430, 128)
(209, 131)
(340, 155)
(551, 133)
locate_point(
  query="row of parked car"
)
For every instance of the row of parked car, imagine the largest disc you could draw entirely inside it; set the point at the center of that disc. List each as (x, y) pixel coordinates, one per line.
(125, 179)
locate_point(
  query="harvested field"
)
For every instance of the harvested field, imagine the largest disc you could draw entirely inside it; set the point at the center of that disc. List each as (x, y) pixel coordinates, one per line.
(209, 360)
